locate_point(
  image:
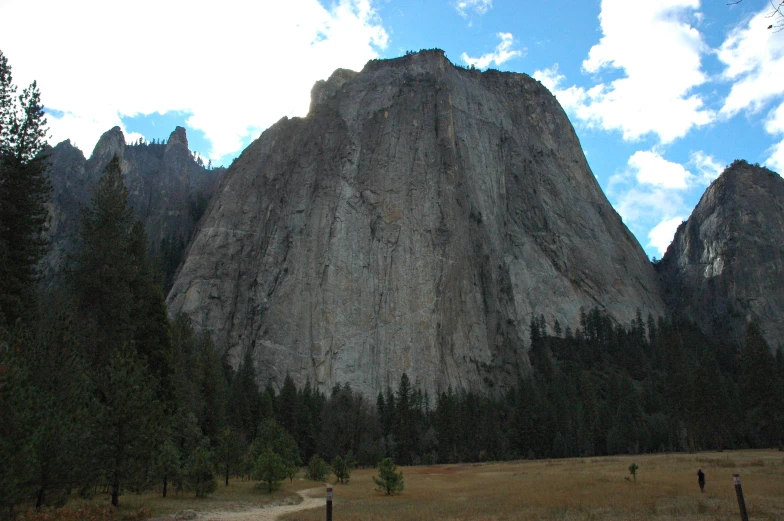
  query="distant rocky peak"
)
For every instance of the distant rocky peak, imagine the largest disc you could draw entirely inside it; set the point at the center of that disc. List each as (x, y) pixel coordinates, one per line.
(740, 177)
(178, 137)
(323, 90)
(723, 267)
(111, 142)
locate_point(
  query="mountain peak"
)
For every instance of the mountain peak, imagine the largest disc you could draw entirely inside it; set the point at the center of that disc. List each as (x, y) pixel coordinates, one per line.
(723, 267)
(111, 142)
(178, 137)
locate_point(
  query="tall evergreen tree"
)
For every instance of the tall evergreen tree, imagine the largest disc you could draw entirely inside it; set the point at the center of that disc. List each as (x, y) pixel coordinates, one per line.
(213, 389)
(129, 422)
(104, 271)
(151, 330)
(17, 406)
(287, 405)
(24, 193)
(64, 412)
(762, 390)
(244, 406)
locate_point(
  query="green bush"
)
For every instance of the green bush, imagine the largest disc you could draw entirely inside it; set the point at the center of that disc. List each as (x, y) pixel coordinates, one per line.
(389, 480)
(270, 469)
(199, 475)
(317, 468)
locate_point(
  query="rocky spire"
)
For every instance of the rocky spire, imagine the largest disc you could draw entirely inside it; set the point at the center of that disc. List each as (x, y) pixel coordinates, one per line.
(177, 138)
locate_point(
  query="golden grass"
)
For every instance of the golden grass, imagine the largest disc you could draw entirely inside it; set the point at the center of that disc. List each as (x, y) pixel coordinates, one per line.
(571, 489)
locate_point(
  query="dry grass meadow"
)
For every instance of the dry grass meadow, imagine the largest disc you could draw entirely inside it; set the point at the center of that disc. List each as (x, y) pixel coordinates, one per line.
(239, 496)
(564, 489)
(571, 489)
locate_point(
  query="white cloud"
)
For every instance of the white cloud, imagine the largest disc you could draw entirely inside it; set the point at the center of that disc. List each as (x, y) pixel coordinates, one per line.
(651, 194)
(480, 7)
(660, 55)
(706, 165)
(570, 97)
(503, 52)
(775, 125)
(754, 60)
(642, 204)
(651, 168)
(662, 234)
(236, 66)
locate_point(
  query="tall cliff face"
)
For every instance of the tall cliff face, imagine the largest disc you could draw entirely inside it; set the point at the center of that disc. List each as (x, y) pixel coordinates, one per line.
(164, 184)
(725, 265)
(413, 222)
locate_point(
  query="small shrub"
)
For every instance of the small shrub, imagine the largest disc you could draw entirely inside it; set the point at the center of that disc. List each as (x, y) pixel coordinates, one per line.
(341, 467)
(317, 468)
(633, 471)
(389, 480)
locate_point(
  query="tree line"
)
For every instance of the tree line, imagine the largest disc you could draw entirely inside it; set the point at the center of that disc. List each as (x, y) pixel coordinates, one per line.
(102, 392)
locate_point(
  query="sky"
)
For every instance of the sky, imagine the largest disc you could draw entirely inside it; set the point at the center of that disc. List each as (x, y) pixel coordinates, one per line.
(662, 94)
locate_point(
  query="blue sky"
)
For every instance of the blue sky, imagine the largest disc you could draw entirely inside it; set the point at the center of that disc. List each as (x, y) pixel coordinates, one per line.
(662, 94)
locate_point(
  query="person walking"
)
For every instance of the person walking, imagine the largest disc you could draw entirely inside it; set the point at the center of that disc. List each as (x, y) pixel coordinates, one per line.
(701, 479)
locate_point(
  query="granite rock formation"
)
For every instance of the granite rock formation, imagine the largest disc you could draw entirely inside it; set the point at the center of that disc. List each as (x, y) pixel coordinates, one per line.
(726, 263)
(414, 221)
(165, 185)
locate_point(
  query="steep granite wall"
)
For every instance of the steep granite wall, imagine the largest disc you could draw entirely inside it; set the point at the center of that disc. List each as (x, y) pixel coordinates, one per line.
(726, 263)
(413, 222)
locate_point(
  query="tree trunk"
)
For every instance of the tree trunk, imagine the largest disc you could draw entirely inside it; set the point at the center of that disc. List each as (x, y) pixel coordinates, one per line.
(227, 474)
(40, 500)
(165, 483)
(116, 492)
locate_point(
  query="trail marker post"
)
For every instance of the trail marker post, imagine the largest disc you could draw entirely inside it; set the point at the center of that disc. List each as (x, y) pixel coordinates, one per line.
(329, 504)
(739, 491)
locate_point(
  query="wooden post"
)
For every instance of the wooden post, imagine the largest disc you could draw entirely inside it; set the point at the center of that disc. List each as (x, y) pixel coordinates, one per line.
(741, 503)
(329, 504)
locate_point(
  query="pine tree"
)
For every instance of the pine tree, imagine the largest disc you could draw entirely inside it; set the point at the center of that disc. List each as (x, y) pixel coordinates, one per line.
(184, 381)
(229, 453)
(287, 405)
(151, 330)
(405, 422)
(317, 468)
(48, 449)
(388, 480)
(128, 430)
(273, 437)
(244, 406)
(168, 466)
(269, 468)
(762, 390)
(24, 193)
(711, 404)
(213, 389)
(17, 406)
(64, 407)
(310, 404)
(199, 471)
(104, 271)
(341, 469)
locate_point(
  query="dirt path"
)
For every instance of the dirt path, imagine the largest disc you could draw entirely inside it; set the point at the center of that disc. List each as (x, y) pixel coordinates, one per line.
(311, 498)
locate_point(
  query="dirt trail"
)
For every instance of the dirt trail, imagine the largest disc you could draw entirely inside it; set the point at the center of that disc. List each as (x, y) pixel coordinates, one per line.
(270, 513)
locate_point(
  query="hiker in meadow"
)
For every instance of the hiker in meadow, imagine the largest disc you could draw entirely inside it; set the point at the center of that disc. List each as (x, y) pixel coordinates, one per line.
(701, 479)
